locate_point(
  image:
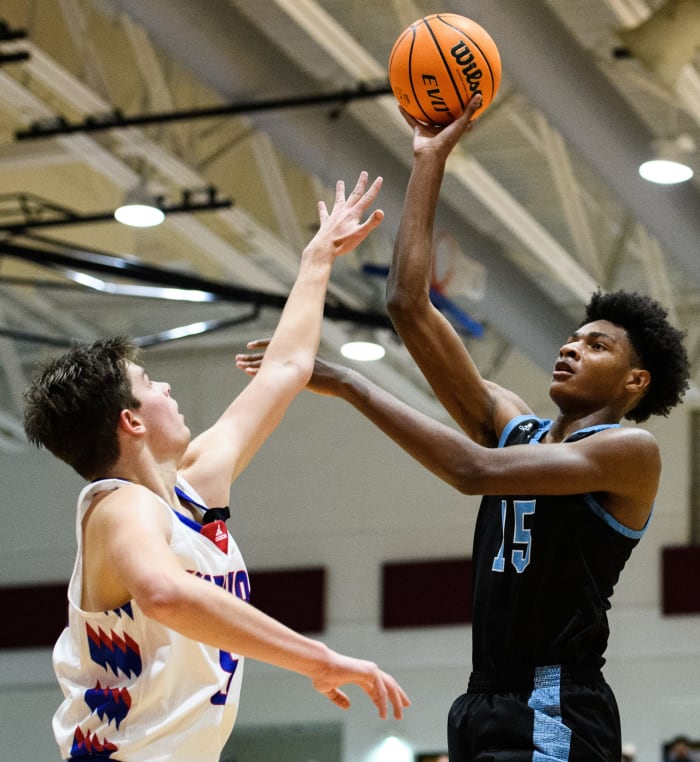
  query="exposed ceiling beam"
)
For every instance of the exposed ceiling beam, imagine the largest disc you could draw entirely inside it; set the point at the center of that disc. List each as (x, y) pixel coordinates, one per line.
(272, 179)
(561, 169)
(350, 55)
(615, 141)
(544, 247)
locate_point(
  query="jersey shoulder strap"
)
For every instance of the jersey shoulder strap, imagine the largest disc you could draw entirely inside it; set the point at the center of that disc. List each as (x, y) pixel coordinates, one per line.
(524, 429)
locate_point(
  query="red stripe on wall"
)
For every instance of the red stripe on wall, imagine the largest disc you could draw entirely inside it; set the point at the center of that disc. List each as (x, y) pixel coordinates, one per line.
(296, 597)
(426, 593)
(34, 616)
(680, 574)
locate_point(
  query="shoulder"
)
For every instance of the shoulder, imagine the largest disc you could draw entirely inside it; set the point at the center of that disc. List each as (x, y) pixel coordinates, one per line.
(626, 438)
(640, 446)
(622, 446)
(630, 458)
(123, 492)
(131, 504)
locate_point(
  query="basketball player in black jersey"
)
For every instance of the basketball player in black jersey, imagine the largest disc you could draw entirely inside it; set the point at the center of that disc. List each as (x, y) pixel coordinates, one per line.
(558, 520)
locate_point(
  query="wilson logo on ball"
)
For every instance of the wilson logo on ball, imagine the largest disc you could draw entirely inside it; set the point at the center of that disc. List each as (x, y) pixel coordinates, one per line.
(439, 63)
(464, 58)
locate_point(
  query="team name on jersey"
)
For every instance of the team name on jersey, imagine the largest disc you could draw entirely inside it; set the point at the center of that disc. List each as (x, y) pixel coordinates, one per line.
(236, 582)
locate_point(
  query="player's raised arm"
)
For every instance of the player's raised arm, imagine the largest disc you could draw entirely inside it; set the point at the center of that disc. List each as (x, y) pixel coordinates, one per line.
(480, 408)
(621, 462)
(216, 457)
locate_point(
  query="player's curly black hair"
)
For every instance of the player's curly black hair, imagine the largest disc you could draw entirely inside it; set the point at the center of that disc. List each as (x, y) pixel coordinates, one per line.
(658, 345)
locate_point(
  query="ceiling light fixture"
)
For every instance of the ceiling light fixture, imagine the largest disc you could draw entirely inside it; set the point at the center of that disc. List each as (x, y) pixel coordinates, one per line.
(139, 215)
(671, 165)
(364, 351)
(392, 749)
(139, 209)
(665, 171)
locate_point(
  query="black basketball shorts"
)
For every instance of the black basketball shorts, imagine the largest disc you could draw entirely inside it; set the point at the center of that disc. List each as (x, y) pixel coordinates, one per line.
(548, 716)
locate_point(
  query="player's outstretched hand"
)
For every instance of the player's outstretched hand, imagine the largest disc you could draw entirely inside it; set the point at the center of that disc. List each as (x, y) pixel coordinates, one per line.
(342, 229)
(250, 362)
(324, 380)
(382, 689)
(442, 139)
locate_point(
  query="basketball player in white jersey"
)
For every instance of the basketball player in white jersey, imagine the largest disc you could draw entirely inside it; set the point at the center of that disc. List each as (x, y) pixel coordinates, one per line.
(159, 620)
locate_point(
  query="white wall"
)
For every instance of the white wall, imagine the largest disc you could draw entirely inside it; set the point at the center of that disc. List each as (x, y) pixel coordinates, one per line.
(328, 489)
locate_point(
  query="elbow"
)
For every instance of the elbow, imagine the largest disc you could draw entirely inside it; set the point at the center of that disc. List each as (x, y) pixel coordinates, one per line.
(159, 600)
(293, 373)
(300, 371)
(392, 293)
(402, 305)
(464, 484)
(396, 303)
(470, 476)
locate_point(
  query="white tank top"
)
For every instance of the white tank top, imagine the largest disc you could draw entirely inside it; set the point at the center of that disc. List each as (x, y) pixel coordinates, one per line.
(135, 690)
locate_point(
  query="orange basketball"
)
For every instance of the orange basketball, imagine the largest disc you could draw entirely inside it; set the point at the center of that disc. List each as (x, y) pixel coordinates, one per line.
(441, 61)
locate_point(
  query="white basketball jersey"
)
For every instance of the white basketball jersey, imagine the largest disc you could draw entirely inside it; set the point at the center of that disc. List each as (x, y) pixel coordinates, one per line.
(135, 690)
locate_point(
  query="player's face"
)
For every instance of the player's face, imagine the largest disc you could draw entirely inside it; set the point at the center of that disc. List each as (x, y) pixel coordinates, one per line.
(593, 367)
(158, 410)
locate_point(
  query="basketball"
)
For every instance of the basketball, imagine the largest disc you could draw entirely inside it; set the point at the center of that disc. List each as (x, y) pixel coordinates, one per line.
(439, 63)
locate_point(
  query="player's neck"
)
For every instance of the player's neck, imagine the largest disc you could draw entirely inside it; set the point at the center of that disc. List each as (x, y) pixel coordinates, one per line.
(567, 424)
(160, 478)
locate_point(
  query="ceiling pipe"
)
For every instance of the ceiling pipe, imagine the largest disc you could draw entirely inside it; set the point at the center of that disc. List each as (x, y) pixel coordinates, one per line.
(62, 255)
(115, 119)
(51, 216)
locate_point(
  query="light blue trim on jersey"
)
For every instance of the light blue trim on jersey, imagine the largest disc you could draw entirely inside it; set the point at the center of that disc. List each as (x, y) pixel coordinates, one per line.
(612, 522)
(597, 508)
(593, 429)
(518, 420)
(544, 424)
(550, 737)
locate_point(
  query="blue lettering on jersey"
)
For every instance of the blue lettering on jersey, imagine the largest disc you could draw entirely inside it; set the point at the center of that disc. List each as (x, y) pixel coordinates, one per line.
(499, 561)
(236, 582)
(521, 546)
(228, 664)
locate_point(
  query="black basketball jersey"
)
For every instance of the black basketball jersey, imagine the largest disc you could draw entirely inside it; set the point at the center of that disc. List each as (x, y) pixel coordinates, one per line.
(544, 572)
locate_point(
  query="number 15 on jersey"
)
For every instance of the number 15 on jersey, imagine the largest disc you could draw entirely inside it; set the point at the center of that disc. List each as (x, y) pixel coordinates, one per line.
(521, 546)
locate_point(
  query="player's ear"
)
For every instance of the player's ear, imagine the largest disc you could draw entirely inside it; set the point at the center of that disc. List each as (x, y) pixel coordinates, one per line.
(130, 421)
(638, 380)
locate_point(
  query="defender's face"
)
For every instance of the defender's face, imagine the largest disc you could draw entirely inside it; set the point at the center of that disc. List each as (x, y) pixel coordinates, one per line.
(593, 366)
(158, 410)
